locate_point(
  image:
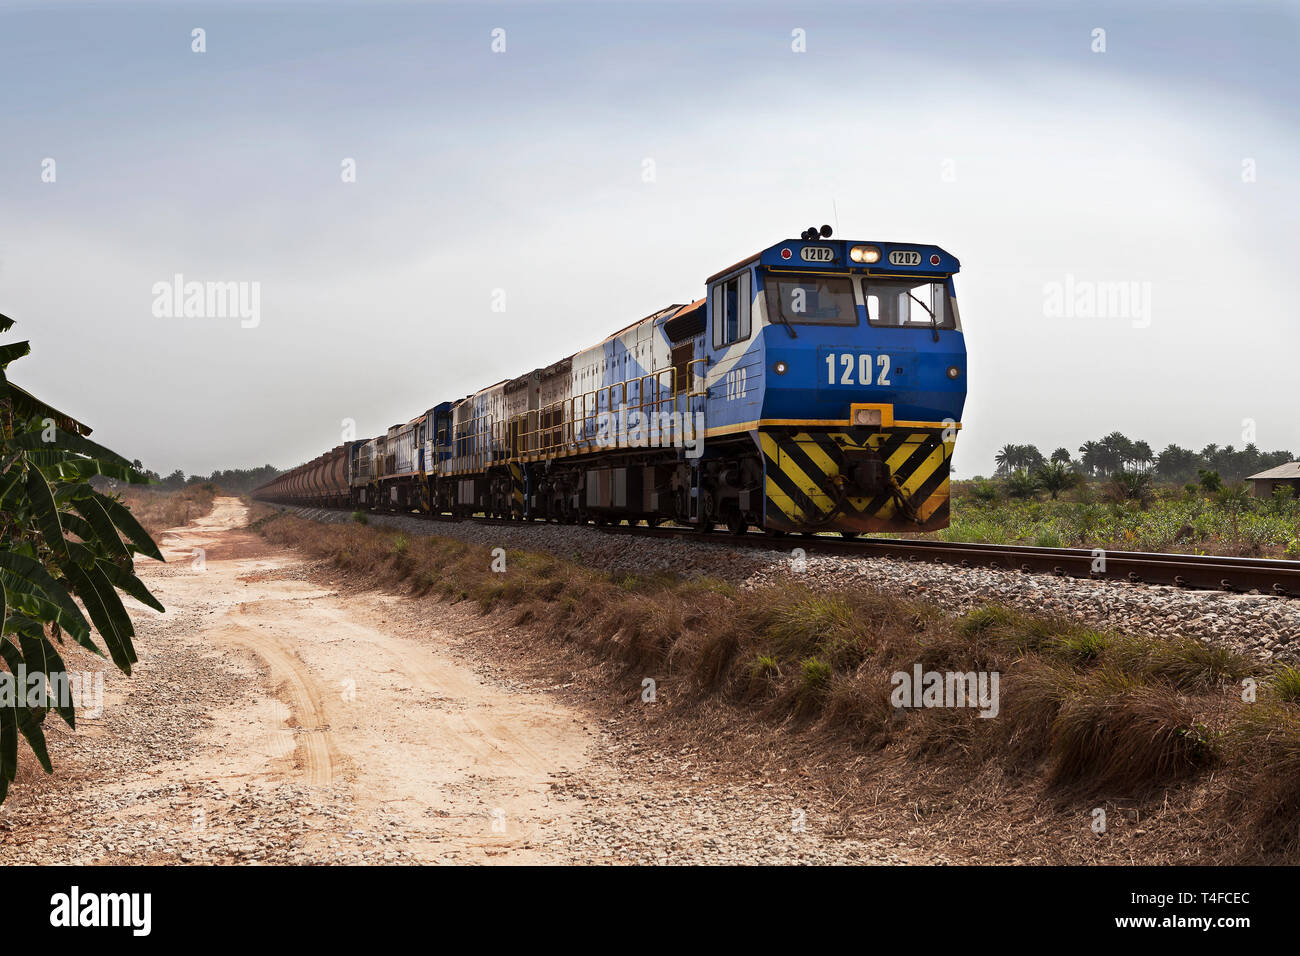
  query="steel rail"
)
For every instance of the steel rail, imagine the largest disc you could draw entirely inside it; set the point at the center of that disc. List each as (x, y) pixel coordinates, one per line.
(1195, 571)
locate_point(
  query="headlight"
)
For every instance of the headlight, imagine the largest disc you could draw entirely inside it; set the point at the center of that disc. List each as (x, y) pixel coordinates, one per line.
(779, 368)
(954, 371)
(864, 254)
(866, 416)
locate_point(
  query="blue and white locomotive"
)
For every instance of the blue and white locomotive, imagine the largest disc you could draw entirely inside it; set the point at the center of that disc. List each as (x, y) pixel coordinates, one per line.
(817, 386)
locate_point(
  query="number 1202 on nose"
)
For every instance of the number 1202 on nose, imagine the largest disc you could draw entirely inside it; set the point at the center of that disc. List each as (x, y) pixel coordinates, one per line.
(857, 368)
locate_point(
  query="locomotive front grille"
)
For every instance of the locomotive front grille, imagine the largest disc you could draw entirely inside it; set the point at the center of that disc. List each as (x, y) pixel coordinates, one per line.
(892, 480)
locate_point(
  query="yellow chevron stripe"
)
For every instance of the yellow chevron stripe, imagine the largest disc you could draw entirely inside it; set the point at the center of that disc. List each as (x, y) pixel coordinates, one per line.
(779, 498)
(773, 491)
(923, 471)
(942, 492)
(808, 445)
(932, 504)
(810, 487)
(813, 489)
(904, 452)
(913, 481)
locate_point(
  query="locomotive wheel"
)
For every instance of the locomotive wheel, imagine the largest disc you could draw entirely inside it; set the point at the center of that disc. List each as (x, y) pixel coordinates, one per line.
(849, 535)
(737, 524)
(682, 510)
(708, 512)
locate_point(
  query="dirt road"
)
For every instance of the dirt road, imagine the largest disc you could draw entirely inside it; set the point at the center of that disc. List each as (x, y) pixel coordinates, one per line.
(274, 719)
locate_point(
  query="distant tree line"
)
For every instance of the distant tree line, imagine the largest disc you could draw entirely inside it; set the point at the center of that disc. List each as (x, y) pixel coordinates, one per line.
(237, 481)
(1115, 454)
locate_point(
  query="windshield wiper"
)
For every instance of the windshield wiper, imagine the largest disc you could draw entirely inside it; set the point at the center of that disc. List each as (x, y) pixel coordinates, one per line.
(934, 319)
(786, 322)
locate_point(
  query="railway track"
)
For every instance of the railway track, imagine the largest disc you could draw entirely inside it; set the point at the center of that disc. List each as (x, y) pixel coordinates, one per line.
(1204, 572)
(1201, 572)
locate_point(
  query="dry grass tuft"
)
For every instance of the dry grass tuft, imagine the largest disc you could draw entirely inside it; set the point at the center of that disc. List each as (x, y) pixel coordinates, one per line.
(1117, 736)
(1267, 748)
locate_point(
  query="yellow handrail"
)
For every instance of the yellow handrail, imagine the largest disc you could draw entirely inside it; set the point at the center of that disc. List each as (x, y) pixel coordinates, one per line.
(570, 426)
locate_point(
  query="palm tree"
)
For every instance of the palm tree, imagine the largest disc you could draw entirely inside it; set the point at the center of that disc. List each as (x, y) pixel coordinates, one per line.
(1092, 457)
(1031, 457)
(1004, 459)
(1061, 455)
(1117, 451)
(1176, 464)
(1010, 458)
(1055, 477)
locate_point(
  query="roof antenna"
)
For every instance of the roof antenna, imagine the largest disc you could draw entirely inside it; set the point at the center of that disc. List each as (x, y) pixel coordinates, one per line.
(835, 214)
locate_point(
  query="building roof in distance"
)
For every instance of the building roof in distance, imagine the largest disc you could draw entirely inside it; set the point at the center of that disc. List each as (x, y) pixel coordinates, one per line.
(1290, 470)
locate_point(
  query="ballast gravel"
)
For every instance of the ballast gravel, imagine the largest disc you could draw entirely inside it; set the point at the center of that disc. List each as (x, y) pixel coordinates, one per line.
(1262, 626)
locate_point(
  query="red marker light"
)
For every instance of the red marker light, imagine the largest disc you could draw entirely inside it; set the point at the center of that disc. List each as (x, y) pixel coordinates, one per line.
(785, 253)
(934, 260)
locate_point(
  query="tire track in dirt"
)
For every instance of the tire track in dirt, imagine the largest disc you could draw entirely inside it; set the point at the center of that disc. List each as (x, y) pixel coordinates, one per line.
(303, 697)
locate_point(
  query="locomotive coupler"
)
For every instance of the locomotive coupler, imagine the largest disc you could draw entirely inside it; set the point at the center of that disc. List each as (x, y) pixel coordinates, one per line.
(866, 472)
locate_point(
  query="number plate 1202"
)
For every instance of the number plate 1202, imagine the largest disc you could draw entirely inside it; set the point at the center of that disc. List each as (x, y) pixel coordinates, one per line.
(856, 368)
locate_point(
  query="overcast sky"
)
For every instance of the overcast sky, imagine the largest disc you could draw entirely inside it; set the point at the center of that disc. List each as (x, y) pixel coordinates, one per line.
(1168, 162)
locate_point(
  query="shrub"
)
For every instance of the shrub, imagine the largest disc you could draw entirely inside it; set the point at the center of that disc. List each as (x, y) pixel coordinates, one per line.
(1131, 486)
(1021, 484)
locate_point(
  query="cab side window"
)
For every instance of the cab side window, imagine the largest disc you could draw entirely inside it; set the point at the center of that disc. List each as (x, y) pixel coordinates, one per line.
(730, 301)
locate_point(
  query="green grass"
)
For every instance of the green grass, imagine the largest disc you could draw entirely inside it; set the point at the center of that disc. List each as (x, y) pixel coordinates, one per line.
(814, 682)
(1175, 521)
(1285, 682)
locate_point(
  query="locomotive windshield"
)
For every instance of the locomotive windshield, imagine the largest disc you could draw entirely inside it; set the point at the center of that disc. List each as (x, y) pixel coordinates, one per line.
(904, 303)
(830, 300)
(814, 300)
